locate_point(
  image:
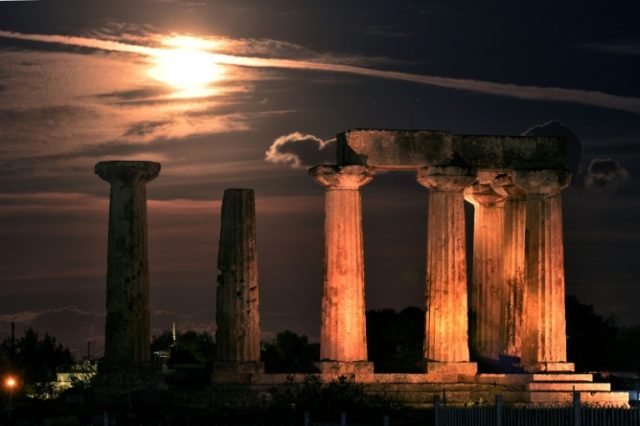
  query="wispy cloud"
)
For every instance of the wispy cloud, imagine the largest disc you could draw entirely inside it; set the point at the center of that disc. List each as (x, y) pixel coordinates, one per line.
(511, 90)
(629, 47)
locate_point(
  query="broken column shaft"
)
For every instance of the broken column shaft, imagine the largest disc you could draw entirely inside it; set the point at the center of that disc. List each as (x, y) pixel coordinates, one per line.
(343, 336)
(237, 303)
(127, 323)
(446, 332)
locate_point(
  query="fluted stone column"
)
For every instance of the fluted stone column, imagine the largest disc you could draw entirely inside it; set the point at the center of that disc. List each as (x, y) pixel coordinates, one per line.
(514, 263)
(487, 339)
(127, 325)
(544, 333)
(343, 336)
(446, 332)
(237, 309)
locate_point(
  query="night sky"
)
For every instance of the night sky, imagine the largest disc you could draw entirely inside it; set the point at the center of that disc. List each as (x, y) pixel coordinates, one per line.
(271, 84)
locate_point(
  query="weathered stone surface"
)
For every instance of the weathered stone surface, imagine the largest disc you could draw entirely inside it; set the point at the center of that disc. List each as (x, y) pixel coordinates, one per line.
(237, 299)
(544, 334)
(569, 386)
(487, 301)
(419, 390)
(342, 368)
(343, 334)
(127, 324)
(446, 331)
(411, 149)
(514, 262)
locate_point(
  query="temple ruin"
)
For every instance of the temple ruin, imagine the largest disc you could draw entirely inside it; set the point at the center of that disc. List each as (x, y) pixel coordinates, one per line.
(517, 286)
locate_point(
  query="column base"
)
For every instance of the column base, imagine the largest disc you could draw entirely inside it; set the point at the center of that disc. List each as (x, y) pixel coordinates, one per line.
(451, 368)
(550, 367)
(342, 368)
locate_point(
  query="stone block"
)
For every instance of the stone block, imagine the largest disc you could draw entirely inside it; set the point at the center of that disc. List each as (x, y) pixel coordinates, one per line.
(343, 368)
(551, 367)
(569, 386)
(566, 377)
(451, 368)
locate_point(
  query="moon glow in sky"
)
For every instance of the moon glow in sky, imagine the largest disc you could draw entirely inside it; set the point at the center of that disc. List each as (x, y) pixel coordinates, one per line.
(186, 66)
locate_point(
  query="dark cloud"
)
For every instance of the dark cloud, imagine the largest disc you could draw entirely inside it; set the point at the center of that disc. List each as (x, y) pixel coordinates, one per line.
(137, 94)
(299, 150)
(74, 327)
(50, 115)
(558, 129)
(605, 174)
(145, 127)
(630, 47)
(20, 166)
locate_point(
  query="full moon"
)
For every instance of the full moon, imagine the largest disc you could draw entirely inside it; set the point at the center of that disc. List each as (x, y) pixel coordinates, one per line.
(186, 67)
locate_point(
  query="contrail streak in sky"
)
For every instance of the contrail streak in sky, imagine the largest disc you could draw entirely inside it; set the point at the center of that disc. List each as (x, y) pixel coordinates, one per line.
(510, 90)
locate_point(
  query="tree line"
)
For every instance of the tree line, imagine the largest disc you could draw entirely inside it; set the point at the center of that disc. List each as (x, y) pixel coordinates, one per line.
(395, 341)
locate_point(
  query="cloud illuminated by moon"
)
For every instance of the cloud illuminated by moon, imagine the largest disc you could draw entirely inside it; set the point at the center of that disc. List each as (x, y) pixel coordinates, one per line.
(510, 90)
(186, 66)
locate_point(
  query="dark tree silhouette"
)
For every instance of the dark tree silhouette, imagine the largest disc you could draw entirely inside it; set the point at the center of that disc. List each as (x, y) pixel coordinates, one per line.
(592, 341)
(35, 360)
(200, 346)
(290, 353)
(395, 339)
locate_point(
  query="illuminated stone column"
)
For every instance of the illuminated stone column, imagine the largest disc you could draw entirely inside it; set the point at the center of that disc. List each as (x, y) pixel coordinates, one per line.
(127, 324)
(544, 334)
(237, 303)
(514, 263)
(343, 336)
(487, 339)
(446, 332)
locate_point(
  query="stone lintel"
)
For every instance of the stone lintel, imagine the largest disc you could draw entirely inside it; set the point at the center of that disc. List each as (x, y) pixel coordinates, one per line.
(344, 368)
(451, 368)
(127, 173)
(550, 367)
(414, 149)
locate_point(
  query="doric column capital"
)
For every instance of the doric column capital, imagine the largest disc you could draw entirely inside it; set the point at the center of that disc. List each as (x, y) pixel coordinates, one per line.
(342, 177)
(127, 173)
(482, 194)
(446, 179)
(545, 182)
(503, 185)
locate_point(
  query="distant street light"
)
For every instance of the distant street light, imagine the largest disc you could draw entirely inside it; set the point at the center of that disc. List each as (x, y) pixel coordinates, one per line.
(10, 383)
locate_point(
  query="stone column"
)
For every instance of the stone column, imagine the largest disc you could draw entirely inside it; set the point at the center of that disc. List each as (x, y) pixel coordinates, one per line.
(544, 334)
(127, 324)
(446, 347)
(237, 314)
(343, 336)
(487, 339)
(514, 263)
